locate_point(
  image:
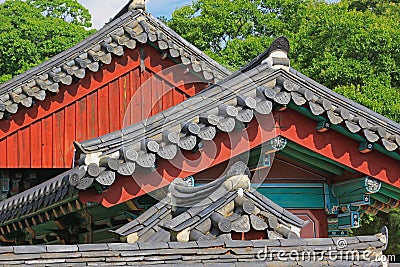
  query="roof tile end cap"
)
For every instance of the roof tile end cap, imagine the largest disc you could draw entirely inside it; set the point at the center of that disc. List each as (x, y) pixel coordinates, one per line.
(384, 236)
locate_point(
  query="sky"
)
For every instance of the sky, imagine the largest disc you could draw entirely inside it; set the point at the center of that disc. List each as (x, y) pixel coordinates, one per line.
(103, 10)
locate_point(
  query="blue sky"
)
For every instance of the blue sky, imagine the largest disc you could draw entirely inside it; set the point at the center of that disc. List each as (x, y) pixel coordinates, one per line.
(103, 10)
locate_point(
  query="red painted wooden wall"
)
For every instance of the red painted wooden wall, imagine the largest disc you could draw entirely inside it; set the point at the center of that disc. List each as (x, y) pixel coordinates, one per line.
(42, 136)
(318, 222)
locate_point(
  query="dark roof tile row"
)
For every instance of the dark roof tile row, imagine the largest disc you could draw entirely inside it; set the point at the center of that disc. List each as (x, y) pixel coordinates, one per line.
(209, 253)
(125, 32)
(46, 194)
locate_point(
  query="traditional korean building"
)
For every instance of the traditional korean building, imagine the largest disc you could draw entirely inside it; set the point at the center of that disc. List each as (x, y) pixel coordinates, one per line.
(134, 135)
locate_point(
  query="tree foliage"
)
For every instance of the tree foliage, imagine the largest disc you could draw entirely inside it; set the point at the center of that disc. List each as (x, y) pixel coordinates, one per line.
(27, 37)
(355, 53)
(68, 10)
(379, 7)
(351, 46)
(373, 224)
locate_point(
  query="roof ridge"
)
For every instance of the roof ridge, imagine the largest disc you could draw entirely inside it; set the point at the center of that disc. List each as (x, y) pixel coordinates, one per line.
(351, 104)
(283, 252)
(122, 33)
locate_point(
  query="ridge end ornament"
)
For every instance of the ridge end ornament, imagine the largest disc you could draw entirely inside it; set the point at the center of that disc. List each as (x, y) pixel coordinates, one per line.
(278, 54)
(137, 4)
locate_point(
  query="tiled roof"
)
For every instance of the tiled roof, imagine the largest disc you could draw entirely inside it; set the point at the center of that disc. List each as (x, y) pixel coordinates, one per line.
(225, 107)
(126, 31)
(264, 83)
(212, 211)
(32, 203)
(205, 253)
(104, 170)
(338, 110)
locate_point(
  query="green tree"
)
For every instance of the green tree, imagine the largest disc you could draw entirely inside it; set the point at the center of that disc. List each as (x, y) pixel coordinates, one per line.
(233, 32)
(380, 7)
(28, 37)
(352, 52)
(70, 10)
(373, 224)
(349, 47)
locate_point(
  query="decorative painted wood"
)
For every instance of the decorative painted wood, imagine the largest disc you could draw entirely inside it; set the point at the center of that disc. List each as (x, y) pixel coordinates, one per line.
(371, 164)
(297, 195)
(356, 186)
(350, 198)
(348, 220)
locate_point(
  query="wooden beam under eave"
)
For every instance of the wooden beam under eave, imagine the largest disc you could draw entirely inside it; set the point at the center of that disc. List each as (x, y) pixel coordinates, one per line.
(312, 161)
(59, 225)
(5, 240)
(335, 146)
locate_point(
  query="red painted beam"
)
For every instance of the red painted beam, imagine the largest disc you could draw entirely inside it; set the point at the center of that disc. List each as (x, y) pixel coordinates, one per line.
(291, 125)
(331, 144)
(222, 148)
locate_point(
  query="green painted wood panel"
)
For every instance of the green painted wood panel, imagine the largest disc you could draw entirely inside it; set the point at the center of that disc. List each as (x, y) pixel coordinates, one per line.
(295, 195)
